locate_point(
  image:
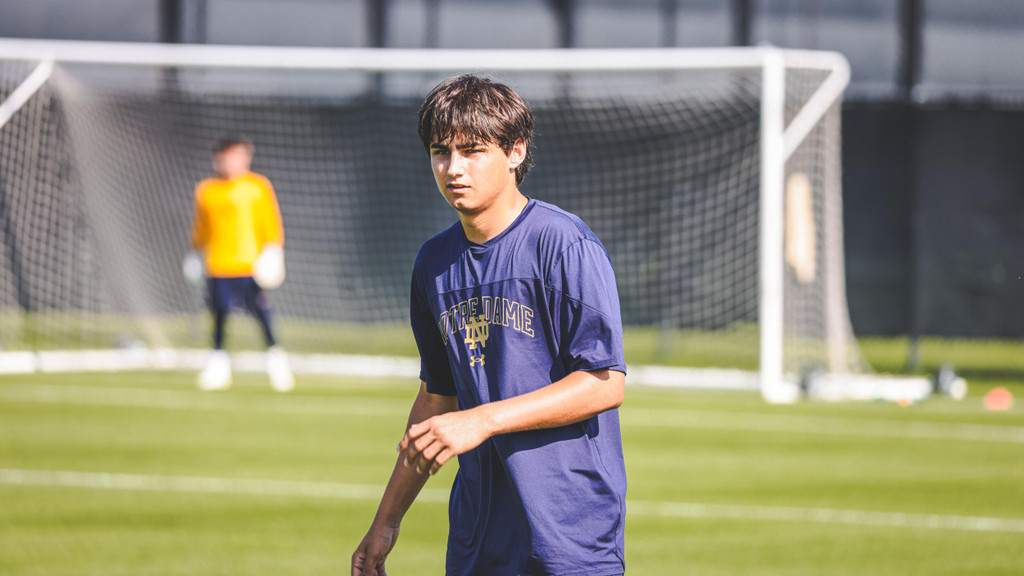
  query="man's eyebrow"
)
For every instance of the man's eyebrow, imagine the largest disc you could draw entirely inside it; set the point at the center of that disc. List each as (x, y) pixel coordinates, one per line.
(475, 143)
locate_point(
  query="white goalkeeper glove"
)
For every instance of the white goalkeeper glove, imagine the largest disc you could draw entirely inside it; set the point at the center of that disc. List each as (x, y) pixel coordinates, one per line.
(192, 268)
(268, 271)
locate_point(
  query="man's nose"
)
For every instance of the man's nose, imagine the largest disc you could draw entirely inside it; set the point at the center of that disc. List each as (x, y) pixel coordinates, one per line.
(456, 164)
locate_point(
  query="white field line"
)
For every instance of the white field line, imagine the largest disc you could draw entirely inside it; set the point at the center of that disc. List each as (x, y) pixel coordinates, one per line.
(148, 483)
(824, 516)
(212, 402)
(642, 417)
(825, 425)
(199, 485)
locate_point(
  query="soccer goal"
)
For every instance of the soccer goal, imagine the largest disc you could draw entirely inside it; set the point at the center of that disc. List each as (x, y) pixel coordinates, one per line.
(712, 176)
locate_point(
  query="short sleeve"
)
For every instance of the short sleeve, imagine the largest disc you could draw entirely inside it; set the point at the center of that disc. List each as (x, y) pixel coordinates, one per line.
(270, 230)
(200, 224)
(434, 367)
(585, 303)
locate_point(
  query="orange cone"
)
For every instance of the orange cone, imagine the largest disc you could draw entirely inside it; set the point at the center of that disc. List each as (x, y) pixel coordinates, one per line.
(998, 399)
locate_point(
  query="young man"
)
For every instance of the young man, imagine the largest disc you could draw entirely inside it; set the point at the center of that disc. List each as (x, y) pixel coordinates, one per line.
(516, 316)
(237, 223)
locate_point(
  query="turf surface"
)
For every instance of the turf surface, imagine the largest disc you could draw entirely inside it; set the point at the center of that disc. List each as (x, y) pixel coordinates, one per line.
(762, 484)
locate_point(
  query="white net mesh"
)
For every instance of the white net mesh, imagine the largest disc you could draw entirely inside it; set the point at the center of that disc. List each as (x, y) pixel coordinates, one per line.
(97, 173)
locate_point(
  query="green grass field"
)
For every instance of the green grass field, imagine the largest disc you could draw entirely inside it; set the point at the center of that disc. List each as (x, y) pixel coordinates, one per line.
(169, 480)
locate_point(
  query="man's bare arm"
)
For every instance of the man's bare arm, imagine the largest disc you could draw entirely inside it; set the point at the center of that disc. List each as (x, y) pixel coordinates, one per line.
(403, 487)
(580, 395)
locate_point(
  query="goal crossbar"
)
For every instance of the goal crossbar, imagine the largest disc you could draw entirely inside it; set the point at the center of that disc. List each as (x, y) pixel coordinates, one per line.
(394, 59)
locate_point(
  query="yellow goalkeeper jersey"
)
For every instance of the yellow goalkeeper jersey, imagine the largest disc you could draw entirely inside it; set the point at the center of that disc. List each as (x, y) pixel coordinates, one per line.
(233, 220)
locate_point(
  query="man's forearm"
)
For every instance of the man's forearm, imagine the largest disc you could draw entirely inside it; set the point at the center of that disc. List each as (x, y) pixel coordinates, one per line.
(403, 487)
(405, 483)
(578, 396)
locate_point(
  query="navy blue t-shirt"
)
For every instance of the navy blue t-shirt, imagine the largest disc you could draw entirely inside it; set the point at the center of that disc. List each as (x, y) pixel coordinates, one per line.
(500, 319)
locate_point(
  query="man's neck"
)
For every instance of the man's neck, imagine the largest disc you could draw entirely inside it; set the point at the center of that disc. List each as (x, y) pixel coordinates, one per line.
(495, 219)
(233, 176)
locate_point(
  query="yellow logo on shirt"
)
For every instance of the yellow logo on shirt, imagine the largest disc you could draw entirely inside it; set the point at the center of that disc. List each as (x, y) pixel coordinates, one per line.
(476, 315)
(477, 332)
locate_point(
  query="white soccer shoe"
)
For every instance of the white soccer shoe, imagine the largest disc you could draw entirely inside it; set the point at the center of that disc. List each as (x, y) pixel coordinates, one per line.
(217, 374)
(281, 377)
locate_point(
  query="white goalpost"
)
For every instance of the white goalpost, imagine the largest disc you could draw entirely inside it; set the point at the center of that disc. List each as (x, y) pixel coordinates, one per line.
(712, 176)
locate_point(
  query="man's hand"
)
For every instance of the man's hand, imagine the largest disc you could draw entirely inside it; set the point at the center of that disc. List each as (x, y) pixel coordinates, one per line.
(369, 557)
(431, 443)
(193, 269)
(268, 270)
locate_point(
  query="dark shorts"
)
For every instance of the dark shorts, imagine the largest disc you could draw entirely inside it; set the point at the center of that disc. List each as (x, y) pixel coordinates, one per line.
(226, 294)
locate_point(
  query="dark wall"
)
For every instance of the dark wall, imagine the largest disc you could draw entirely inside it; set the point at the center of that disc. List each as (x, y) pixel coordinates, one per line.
(876, 215)
(934, 219)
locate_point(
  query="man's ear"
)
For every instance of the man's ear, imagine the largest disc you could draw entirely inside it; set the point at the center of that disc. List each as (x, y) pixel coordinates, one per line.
(517, 154)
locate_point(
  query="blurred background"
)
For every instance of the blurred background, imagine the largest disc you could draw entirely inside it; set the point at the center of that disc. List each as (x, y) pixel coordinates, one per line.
(933, 120)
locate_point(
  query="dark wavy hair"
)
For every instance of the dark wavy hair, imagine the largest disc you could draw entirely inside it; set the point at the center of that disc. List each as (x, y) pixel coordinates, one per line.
(472, 106)
(233, 140)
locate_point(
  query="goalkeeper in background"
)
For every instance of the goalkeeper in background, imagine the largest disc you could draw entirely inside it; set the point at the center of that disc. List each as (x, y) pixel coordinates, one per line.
(237, 235)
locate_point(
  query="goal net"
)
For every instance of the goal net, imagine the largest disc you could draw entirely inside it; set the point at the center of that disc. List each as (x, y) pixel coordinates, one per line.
(711, 176)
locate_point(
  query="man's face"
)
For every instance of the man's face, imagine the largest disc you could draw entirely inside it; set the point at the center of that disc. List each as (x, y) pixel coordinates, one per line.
(232, 162)
(471, 173)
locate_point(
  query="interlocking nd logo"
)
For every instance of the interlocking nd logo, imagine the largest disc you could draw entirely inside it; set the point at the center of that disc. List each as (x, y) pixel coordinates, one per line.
(477, 332)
